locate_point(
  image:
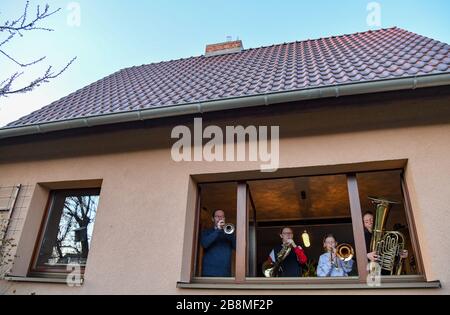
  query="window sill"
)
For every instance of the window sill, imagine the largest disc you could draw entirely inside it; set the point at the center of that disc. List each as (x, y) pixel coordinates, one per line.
(309, 284)
(58, 280)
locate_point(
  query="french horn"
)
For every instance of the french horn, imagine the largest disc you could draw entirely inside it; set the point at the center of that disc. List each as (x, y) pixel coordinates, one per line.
(272, 269)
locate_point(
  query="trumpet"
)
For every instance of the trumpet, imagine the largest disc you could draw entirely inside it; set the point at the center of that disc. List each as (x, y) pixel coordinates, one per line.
(229, 228)
(344, 252)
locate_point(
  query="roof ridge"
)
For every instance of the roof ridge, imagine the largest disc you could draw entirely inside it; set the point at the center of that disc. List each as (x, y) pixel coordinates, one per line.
(323, 38)
(267, 46)
(420, 35)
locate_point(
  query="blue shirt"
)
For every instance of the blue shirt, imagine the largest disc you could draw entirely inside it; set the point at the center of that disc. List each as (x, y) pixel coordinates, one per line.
(218, 248)
(326, 269)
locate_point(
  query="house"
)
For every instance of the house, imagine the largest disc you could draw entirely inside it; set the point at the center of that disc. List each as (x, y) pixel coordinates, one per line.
(95, 201)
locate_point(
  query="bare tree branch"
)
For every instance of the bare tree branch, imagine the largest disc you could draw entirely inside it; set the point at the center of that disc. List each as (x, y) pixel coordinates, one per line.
(7, 39)
(6, 90)
(17, 27)
(19, 63)
(14, 26)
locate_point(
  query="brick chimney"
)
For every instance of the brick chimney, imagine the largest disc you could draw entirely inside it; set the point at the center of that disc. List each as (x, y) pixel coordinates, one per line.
(223, 48)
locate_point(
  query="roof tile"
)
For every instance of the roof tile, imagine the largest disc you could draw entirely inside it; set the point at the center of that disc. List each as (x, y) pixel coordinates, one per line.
(368, 56)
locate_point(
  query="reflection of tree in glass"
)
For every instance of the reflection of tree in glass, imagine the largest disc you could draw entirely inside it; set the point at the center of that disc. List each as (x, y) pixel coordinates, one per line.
(75, 229)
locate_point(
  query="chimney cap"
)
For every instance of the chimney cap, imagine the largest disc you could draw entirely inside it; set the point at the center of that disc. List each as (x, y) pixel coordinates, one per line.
(224, 48)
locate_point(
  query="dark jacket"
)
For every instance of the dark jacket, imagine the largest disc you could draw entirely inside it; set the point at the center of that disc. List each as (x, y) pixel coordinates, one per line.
(218, 248)
(291, 265)
(368, 238)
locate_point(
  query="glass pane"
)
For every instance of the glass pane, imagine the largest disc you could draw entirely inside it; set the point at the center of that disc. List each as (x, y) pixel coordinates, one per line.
(302, 209)
(399, 257)
(68, 230)
(216, 245)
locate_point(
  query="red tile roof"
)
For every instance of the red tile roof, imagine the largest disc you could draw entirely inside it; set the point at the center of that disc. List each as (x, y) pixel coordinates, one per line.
(361, 57)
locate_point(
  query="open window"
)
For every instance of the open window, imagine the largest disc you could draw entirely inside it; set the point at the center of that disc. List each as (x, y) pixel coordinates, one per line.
(387, 185)
(312, 207)
(216, 251)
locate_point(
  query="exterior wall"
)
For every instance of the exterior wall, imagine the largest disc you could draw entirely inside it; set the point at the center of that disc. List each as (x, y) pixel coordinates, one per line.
(138, 237)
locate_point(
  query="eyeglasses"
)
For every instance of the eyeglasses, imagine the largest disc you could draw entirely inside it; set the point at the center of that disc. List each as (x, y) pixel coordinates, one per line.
(287, 233)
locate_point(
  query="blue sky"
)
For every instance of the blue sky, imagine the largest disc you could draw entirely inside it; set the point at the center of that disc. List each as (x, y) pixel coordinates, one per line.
(113, 34)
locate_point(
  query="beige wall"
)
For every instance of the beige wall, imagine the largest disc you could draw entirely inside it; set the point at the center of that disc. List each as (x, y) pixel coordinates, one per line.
(137, 243)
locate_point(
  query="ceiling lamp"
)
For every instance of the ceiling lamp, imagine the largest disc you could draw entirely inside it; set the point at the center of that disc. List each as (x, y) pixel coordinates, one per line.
(305, 238)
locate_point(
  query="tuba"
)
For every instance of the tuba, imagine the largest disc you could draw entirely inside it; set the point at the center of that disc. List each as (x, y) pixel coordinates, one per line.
(272, 269)
(388, 245)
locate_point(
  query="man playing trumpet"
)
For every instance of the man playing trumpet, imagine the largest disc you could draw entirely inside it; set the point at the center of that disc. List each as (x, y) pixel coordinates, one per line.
(218, 247)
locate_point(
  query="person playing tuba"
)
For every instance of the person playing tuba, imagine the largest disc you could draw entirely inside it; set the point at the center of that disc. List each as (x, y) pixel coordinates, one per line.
(374, 241)
(285, 260)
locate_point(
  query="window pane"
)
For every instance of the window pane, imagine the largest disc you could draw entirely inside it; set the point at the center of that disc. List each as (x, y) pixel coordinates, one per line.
(386, 185)
(68, 231)
(216, 248)
(317, 205)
